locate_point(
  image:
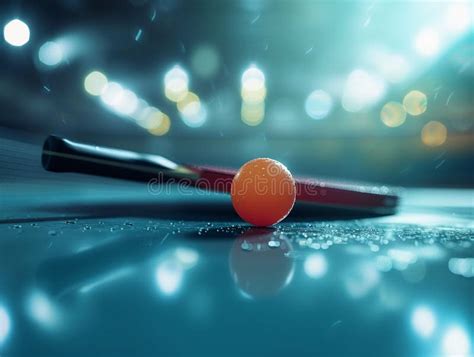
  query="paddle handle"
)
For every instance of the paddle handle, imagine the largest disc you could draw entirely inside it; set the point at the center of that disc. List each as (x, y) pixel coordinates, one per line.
(64, 155)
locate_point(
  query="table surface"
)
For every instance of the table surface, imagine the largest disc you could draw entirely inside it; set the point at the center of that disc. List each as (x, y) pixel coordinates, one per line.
(91, 266)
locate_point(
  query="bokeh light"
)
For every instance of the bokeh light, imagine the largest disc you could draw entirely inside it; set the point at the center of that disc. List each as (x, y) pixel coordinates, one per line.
(462, 266)
(318, 104)
(393, 114)
(140, 110)
(427, 42)
(415, 103)
(362, 90)
(253, 78)
(187, 257)
(193, 112)
(158, 123)
(51, 53)
(4, 324)
(459, 16)
(315, 266)
(112, 94)
(253, 114)
(253, 92)
(95, 83)
(176, 84)
(16, 33)
(456, 342)
(194, 115)
(127, 103)
(434, 133)
(150, 117)
(143, 114)
(253, 95)
(169, 276)
(190, 103)
(42, 310)
(423, 321)
(205, 61)
(253, 85)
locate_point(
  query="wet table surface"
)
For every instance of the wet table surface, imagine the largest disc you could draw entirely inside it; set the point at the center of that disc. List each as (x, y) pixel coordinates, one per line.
(102, 267)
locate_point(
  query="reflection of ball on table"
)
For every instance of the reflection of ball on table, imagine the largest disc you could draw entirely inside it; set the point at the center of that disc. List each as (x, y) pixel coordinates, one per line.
(259, 265)
(263, 192)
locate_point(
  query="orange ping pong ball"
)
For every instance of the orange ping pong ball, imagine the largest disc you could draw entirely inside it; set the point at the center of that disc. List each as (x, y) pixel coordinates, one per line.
(263, 192)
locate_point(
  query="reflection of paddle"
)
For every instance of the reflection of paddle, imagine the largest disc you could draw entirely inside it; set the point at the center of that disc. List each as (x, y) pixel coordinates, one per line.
(67, 274)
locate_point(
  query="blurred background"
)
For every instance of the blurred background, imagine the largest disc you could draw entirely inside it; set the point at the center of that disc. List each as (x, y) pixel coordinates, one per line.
(376, 90)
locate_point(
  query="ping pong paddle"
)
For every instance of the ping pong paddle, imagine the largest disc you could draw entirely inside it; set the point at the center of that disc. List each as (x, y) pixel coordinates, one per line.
(63, 155)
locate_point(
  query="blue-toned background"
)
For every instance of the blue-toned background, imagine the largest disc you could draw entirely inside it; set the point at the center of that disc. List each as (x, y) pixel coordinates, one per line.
(378, 90)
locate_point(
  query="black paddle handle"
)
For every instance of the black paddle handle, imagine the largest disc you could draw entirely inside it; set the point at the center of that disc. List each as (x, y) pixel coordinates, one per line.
(63, 155)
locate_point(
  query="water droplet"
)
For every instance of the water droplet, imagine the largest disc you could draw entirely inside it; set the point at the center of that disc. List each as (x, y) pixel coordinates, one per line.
(246, 246)
(52, 232)
(274, 243)
(374, 247)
